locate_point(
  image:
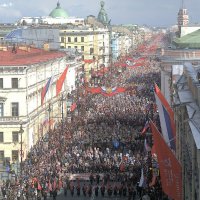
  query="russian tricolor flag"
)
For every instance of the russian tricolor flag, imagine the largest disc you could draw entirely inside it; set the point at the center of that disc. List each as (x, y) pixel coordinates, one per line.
(166, 115)
(145, 128)
(45, 90)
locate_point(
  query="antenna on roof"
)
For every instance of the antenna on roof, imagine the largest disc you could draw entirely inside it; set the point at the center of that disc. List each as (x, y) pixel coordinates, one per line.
(182, 4)
(14, 49)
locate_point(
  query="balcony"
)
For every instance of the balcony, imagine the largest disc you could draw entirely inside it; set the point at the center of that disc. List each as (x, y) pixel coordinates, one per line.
(9, 120)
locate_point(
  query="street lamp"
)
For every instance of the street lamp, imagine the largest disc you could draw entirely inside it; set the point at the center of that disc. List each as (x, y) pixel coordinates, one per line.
(21, 130)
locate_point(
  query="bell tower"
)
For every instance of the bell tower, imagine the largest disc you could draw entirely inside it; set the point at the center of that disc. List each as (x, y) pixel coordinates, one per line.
(183, 17)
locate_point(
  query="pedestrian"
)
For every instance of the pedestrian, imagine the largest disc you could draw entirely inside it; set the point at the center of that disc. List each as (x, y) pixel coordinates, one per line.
(109, 190)
(90, 190)
(54, 193)
(103, 190)
(96, 190)
(84, 189)
(115, 190)
(72, 189)
(78, 188)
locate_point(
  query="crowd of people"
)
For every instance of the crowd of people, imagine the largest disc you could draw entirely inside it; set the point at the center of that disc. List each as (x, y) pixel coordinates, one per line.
(103, 140)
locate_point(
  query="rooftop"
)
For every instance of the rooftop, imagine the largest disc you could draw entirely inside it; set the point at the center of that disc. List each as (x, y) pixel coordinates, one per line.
(58, 12)
(191, 41)
(26, 56)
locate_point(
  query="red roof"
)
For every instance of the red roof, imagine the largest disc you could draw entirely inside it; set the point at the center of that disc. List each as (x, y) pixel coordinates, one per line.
(22, 57)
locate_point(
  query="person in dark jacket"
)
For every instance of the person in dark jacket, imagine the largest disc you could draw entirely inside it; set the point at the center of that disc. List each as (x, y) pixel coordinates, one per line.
(96, 190)
(54, 193)
(84, 189)
(103, 190)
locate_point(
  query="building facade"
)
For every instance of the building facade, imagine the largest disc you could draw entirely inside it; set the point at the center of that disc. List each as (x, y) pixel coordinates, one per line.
(174, 57)
(186, 103)
(93, 44)
(24, 74)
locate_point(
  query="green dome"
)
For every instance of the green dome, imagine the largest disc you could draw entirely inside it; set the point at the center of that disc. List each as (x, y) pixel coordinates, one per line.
(58, 12)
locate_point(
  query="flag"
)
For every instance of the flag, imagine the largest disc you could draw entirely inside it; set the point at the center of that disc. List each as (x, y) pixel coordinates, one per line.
(141, 178)
(39, 186)
(145, 128)
(170, 168)
(93, 90)
(60, 81)
(146, 145)
(45, 90)
(153, 150)
(54, 185)
(166, 115)
(73, 107)
(109, 92)
(60, 184)
(50, 186)
(122, 167)
(106, 91)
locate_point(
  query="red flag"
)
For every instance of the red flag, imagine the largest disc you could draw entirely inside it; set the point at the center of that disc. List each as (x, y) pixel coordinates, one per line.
(60, 184)
(93, 90)
(122, 167)
(109, 92)
(60, 81)
(50, 186)
(153, 150)
(39, 186)
(54, 184)
(170, 168)
(73, 107)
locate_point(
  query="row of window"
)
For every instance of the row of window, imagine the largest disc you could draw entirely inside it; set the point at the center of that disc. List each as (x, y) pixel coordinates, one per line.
(15, 137)
(14, 109)
(14, 83)
(69, 39)
(15, 155)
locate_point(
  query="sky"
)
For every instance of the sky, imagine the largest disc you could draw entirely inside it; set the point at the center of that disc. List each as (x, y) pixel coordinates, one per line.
(148, 12)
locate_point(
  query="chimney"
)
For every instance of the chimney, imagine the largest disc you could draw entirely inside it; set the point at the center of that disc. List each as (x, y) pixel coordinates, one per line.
(46, 46)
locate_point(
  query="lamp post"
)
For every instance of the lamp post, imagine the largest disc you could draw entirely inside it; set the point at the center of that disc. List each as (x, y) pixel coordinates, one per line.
(21, 130)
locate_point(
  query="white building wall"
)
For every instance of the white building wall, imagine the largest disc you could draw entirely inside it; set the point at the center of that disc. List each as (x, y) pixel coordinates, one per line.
(31, 113)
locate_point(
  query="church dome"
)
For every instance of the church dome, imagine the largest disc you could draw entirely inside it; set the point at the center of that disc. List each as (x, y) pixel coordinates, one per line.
(102, 16)
(58, 12)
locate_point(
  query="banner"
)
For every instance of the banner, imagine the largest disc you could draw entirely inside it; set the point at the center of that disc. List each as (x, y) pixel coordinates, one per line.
(170, 168)
(105, 91)
(109, 92)
(166, 115)
(141, 183)
(60, 81)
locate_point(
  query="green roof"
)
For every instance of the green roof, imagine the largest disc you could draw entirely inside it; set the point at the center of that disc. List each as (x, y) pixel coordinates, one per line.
(58, 12)
(190, 41)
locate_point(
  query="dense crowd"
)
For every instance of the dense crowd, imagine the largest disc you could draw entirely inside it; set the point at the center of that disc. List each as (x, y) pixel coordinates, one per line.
(103, 140)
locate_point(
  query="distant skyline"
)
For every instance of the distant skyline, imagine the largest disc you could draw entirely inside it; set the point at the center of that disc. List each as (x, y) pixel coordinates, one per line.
(149, 12)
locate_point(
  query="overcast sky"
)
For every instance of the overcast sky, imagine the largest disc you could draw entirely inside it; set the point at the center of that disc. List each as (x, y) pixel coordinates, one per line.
(149, 12)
